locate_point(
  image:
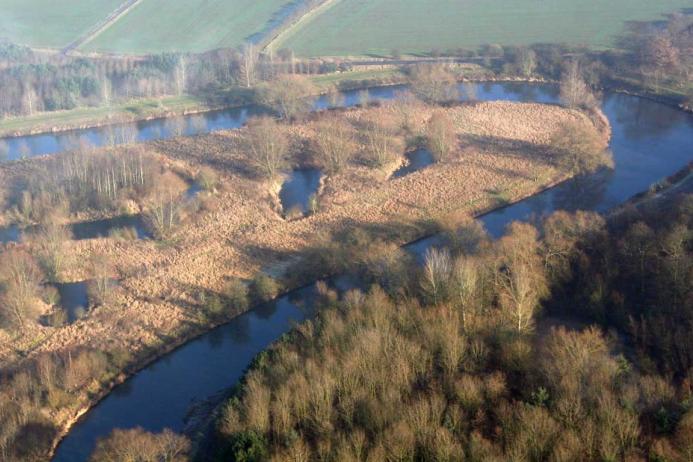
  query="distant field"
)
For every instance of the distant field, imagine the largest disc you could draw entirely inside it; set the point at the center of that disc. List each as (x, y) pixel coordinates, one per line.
(50, 23)
(185, 25)
(376, 27)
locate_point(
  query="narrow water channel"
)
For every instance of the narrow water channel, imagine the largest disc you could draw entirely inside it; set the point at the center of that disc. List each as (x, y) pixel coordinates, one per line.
(650, 141)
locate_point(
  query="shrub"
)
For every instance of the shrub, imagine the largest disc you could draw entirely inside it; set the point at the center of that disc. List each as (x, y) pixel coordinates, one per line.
(57, 318)
(263, 288)
(207, 178)
(213, 306)
(237, 294)
(248, 446)
(127, 233)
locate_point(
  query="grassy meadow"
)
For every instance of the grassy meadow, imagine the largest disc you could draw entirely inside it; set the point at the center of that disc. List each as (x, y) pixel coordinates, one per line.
(377, 27)
(185, 25)
(50, 23)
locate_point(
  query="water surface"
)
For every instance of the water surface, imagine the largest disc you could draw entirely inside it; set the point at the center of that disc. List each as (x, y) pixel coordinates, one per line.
(416, 160)
(103, 228)
(73, 299)
(297, 190)
(10, 233)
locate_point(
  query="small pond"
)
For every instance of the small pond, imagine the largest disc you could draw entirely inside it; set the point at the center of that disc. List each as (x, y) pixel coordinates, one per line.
(103, 228)
(193, 190)
(10, 233)
(416, 160)
(298, 189)
(74, 299)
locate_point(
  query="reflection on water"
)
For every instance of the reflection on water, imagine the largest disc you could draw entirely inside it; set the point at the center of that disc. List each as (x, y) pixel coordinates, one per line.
(103, 228)
(298, 189)
(9, 234)
(147, 130)
(159, 396)
(74, 299)
(416, 160)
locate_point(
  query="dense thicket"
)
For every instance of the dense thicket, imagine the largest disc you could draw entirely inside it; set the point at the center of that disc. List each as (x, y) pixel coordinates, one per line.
(637, 276)
(84, 179)
(453, 362)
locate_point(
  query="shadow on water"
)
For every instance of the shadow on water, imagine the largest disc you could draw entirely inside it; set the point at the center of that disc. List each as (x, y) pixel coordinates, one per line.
(416, 160)
(87, 229)
(74, 299)
(103, 228)
(298, 189)
(10, 234)
(159, 396)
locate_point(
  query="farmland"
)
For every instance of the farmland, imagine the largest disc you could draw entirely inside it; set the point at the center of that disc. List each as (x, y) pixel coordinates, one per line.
(356, 27)
(48, 23)
(176, 25)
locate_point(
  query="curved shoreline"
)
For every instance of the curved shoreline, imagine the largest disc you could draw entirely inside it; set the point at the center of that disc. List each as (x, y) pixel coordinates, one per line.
(196, 333)
(211, 109)
(182, 341)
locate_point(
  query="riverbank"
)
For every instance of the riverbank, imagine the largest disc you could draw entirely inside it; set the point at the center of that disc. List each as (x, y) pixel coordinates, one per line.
(167, 107)
(94, 117)
(503, 159)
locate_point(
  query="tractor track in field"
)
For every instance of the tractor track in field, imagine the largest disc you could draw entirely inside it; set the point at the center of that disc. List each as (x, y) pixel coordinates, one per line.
(123, 9)
(288, 29)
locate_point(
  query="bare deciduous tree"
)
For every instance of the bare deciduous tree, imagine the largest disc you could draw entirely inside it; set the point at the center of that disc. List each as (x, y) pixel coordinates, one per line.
(334, 143)
(288, 95)
(464, 285)
(21, 279)
(574, 90)
(434, 83)
(580, 148)
(441, 137)
(407, 106)
(164, 207)
(101, 284)
(268, 146)
(139, 445)
(521, 278)
(248, 64)
(436, 275)
(50, 244)
(382, 145)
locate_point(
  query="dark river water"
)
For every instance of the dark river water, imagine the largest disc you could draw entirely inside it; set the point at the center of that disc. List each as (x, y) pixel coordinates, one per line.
(650, 141)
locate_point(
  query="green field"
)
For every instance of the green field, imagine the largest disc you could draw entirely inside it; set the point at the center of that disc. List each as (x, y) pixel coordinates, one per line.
(50, 23)
(377, 27)
(185, 25)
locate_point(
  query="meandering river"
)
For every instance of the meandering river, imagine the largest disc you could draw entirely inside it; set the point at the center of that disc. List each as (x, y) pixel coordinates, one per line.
(649, 141)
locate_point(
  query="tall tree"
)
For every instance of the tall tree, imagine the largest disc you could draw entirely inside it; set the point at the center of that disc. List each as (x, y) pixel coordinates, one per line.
(288, 96)
(441, 137)
(21, 279)
(268, 145)
(334, 143)
(580, 149)
(433, 83)
(574, 90)
(521, 278)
